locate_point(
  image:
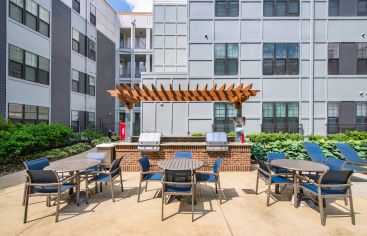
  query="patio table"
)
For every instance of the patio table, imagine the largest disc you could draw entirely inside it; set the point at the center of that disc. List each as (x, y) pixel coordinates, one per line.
(74, 167)
(299, 166)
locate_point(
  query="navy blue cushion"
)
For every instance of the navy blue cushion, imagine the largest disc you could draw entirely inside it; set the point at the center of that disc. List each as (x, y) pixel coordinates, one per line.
(155, 176)
(101, 177)
(178, 188)
(37, 164)
(183, 155)
(280, 170)
(144, 163)
(280, 180)
(206, 178)
(325, 191)
(63, 188)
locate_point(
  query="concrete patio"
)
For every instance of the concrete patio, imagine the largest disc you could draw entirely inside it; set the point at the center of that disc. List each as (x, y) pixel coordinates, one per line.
(242, 213)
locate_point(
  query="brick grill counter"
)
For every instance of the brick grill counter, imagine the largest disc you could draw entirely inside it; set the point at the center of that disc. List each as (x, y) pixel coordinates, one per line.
(237, 158)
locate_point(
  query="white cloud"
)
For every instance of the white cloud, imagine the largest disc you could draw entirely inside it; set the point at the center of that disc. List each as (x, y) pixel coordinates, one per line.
(141, 5)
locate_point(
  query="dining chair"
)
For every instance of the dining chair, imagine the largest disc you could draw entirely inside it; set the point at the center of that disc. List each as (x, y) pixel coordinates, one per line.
(108, 176)
(183, 155)
(264, 173)
(170, 188)
(37, 164)
(99, 156)
(277, 156)
(212, 177)
(147, 175)
(45, 183)
(331, 185)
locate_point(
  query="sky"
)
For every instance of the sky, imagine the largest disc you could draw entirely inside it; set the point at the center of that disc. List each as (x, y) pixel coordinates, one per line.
(132, 5)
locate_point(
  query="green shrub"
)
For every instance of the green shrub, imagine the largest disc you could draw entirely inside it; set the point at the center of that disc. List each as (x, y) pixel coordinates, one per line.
(231, 134)
(91, 134)
(100, 140)
(350, 135)
(198, 134)
(273, 137)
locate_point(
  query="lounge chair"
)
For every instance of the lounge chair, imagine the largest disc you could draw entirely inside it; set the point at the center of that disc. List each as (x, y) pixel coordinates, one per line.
(211, 177)
(332, 185)
(108, 176)
(350, 154)
(147, 175)
(337, 164)
(264, 173)
(45, 183)
(314, 152)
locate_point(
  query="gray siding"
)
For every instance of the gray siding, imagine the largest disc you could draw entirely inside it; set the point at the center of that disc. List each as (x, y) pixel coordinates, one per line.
(60, 62)
(105, 80)
(3, 58)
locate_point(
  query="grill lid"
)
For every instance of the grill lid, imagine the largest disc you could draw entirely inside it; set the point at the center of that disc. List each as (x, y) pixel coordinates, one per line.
(216, 141)
(149, 141)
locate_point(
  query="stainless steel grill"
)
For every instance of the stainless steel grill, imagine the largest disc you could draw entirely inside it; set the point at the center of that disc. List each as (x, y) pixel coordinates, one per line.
(216, 142)
(149, 142)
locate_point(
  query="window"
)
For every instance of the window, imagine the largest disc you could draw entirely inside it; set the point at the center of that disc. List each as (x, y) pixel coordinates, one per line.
(44, 70)
(31, 14)
(362, 58)
(333, 55)
(16, 58)
(75, 121)
(333, 118)
(334, 8)
(92, 16)
(76, 5)
(28, 114)
(226, 59)
(31, 66)
(280, 59)
(280, 117)
(75, 81)
(16, 10)
(91, 86)
(223, 117)
(281, 8)
(361, 116)
(91, 120)
(362, 7)
(227, 8)
(91, 49)
(76, 40)
(44, 21)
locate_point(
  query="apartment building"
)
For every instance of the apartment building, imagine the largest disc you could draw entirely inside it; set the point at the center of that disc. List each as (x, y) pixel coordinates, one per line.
(133, 57)
(308, 58)
(57, 61)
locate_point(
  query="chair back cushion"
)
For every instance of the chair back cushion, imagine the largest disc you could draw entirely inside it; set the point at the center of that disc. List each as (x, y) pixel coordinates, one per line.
(42, 176)
(144, 164)
(179, 176)
(263, 166)
(216, 165)
(275, 156)
(115, 166)
(184, 155)
(334, 164)
(315, 152)
(348, 152)
(100, 156)
(336, 177)
(37, 164)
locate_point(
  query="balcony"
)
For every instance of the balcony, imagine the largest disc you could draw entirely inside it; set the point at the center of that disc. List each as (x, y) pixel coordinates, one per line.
(282, 127)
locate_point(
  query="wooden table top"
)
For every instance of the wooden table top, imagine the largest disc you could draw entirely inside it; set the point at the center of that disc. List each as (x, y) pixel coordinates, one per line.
(73, 165)
(180, 164)
(300, 165)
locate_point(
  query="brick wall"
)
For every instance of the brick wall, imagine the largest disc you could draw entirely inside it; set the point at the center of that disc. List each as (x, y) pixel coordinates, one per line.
(238, 157)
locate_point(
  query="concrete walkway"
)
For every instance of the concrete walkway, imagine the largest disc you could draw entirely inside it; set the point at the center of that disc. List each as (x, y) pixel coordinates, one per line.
(242, 213)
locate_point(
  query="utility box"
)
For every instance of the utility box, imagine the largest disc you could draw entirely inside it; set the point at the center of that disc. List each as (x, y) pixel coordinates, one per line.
(109, 149)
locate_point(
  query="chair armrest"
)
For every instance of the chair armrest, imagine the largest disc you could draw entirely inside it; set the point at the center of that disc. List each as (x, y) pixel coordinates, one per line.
(311, 181)
(206, 173)
(334, 185)
(151, 172)
(67, 179)
(179, 183)
(44, 184)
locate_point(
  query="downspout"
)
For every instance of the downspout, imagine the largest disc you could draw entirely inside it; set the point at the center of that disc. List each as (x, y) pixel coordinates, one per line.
(311, 88)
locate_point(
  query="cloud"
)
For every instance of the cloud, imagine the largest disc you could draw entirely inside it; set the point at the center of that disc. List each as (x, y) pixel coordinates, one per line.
(140, 5)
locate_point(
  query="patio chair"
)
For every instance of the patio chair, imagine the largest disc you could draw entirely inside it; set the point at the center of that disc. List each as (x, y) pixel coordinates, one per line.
(276, 156)
(147, 175)
(212, 177)
(37, 164)
(108, 176)
(184, 155)
(337, 164)
(45, 183)
(100, 156)
(350, 154)
(182, 188)
(264, 173)
(314, 152)
(331, 185)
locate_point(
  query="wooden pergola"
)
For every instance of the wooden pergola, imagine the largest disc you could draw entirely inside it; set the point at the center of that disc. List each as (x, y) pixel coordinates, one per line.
(235, 95)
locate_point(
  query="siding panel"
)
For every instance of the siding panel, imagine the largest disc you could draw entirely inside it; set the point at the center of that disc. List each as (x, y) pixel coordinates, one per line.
(2, 58)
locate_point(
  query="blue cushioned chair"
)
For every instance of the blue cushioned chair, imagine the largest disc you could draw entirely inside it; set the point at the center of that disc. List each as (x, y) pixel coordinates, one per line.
(184, 155)
(147, 175)
(336, 165)
(37, 164)
(350, 154)
(331, 184)
(187, 187)
(276, 156)
(45, 183)
(264, 173)
(211, 177)
(108, 176)
(99, 156)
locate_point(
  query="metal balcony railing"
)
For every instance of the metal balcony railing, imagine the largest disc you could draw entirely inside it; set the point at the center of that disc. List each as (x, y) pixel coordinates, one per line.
(138, 72)
(282, 127)
(125, 72)
(341, 128)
